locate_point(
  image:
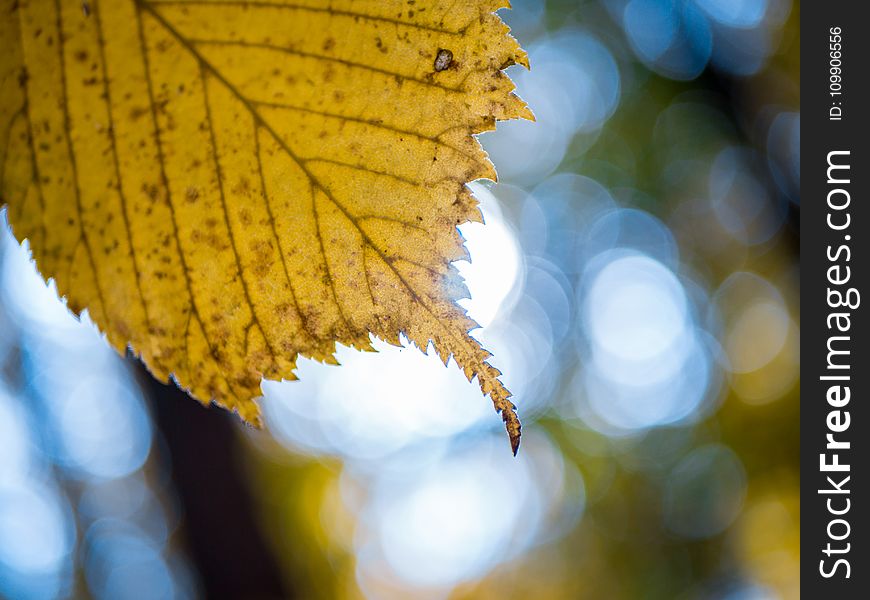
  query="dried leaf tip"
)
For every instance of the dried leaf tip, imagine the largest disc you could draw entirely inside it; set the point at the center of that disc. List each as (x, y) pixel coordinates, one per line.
(514, 428)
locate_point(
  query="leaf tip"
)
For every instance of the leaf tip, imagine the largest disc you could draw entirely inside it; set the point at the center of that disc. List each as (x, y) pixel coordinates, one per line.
(514, 429)
(522, 58)
(527, 114)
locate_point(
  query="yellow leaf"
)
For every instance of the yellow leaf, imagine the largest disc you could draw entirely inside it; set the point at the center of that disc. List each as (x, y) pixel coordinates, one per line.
(226, 185)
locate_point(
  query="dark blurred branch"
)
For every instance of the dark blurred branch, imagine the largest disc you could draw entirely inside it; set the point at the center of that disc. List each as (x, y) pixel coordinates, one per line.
(219, 527)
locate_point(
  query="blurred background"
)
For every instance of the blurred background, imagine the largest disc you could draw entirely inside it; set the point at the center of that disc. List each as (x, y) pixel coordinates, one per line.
(637, 281)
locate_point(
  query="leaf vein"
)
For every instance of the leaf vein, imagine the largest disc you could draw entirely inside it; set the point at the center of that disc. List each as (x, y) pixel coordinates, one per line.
(174, 220)
(7, 140)
(33, 162)
(372, 122)
(72, 160)
(359, 167)
(220, 178)
(314, 9)
(302, 317)
(111, 131)
(341, 61)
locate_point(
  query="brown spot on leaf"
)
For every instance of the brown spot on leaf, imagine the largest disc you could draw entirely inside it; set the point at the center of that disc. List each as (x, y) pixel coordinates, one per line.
(262, 257)
(245, 217)
(152, 190)
(443, 60)
(243, 186)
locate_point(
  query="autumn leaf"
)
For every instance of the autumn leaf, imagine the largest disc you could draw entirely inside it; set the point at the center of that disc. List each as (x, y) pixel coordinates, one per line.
(228, 185)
